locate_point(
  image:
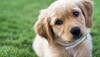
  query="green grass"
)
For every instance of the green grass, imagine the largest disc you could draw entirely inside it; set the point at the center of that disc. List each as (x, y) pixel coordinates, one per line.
(17, 18)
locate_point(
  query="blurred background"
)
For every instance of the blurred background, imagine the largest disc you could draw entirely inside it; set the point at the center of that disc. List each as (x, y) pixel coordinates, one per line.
(17, 18)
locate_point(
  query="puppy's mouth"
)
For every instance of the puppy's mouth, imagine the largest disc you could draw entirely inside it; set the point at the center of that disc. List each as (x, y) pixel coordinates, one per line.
(71, 44)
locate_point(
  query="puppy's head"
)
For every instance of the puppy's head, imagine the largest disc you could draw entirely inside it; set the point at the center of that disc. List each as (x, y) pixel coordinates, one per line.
(65, 19)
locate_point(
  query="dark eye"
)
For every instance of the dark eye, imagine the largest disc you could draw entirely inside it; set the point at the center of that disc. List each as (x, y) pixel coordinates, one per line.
(58, 22)
(76, 13)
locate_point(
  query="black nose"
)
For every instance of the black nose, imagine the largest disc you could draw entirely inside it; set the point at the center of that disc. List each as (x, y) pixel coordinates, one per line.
(75, 31)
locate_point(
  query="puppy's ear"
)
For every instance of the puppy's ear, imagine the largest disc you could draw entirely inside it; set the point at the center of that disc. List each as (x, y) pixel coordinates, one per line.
(43, 28)
(40, 29)
(87, 10)
(39, 25)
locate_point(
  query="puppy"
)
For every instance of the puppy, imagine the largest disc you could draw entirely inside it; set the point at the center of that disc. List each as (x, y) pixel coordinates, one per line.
(63, 29)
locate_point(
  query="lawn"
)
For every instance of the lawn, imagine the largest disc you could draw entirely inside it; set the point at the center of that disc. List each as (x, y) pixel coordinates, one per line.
(17, 18)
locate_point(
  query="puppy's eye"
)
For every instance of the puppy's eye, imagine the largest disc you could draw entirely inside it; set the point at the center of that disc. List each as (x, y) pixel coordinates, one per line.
(76, 13)
(58, 22)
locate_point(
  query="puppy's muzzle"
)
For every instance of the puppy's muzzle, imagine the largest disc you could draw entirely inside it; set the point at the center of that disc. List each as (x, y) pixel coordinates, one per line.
(76, 32)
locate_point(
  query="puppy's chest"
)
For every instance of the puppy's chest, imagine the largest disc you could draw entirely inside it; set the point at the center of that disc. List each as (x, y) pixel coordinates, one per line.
(60, 53)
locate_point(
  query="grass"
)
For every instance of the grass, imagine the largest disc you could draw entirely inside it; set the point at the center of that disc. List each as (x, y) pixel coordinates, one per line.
(17, 18)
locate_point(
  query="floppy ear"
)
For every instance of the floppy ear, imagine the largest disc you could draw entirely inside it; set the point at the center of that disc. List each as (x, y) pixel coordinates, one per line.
(39, 25)
(87, 10)
(40, 29)
(43, 28)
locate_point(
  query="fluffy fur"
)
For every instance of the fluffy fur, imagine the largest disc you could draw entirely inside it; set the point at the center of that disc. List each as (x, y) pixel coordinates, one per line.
(46, 41)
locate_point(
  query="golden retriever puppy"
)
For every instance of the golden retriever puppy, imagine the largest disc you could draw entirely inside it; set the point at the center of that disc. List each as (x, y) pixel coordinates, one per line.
(63, 29)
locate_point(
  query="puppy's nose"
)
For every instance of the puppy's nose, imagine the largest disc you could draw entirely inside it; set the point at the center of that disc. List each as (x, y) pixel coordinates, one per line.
(75, 31)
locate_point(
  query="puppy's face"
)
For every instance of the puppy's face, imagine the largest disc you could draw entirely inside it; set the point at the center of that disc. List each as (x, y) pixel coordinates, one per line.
(64, 19)
(70, 26)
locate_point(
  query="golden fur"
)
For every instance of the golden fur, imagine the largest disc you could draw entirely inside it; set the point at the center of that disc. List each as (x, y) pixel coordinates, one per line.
(62, 9)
